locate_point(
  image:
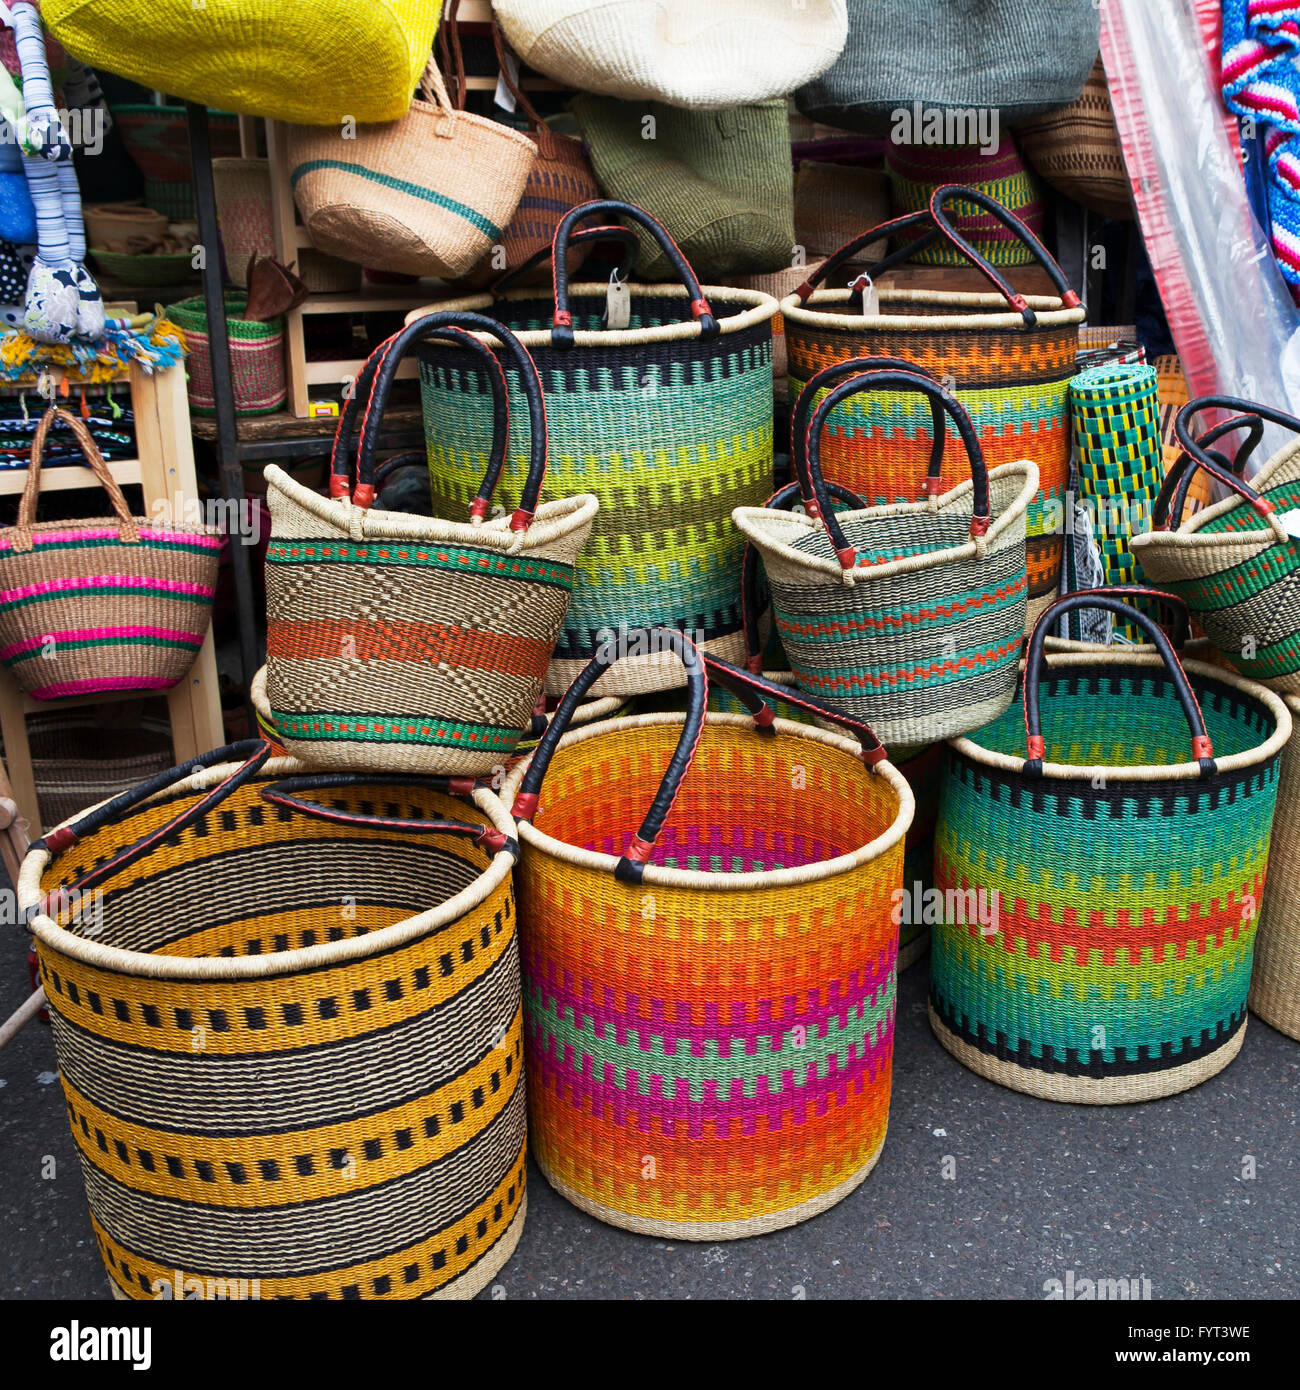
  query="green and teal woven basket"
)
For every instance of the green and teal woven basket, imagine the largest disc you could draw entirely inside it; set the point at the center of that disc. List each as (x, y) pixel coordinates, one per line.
(1103, 877)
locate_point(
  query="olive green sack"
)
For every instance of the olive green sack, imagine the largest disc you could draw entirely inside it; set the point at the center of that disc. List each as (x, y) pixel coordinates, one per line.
(721, 182)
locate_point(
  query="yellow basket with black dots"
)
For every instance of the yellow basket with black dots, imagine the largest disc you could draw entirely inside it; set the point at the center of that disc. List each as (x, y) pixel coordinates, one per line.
(288, 1022)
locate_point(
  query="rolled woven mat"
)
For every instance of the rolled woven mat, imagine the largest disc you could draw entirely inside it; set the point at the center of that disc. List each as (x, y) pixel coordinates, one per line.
(1119, 461)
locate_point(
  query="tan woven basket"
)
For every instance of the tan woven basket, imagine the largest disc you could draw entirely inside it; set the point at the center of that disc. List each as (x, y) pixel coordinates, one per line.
(1275, 985)
(427, 195)
(832, 204)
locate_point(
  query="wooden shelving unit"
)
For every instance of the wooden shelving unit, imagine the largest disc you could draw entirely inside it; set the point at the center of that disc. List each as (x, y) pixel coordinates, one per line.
(164, 469)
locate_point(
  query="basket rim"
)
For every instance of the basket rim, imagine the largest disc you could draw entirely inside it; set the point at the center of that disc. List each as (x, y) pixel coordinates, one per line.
(747, 519)
(1190, 533)
(552, 521)
(1146, 772)
(697, 879)
(762, 307)
(212, 969)
(1050, 309)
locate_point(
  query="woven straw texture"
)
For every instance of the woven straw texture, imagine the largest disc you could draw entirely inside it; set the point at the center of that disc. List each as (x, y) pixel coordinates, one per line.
(256, 357)
(101, 604)
(1275, 987)
(778, 284)
(291, 1052)
(669, 431)
(316, 63)
(1012, 380)
(709, 1055)
(915, 171)
(723, 54)
(1124, 887)
(1076, 149)
(74, 766)
(403, 643)
(1119, 455)
(832, 204)
(1021, 56)
(921, 639)
(1240, 580)
(721, 182)
(427, 195)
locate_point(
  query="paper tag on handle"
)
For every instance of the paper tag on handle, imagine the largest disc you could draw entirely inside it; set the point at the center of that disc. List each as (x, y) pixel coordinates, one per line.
(618, 303)
(503, 96)
(1291, 522)
(870, 295)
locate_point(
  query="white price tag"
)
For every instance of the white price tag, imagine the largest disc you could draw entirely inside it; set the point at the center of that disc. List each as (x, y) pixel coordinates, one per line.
(504, 97)
(618, 303)
(1291, 522)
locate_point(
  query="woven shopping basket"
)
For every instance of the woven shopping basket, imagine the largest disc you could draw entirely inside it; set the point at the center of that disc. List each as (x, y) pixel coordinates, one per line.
(710, 1012)
(1008, 358)
(407, 643)
(1104, 854)
(908, 616)
(256, 357)
(1236, 563)
(668, 421)
(288, 1031)
(101, 604)
(429, 194)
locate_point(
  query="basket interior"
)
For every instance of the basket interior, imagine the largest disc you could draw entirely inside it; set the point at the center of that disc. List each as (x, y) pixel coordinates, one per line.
(1107, 716)
(747, 805)
(251, 877)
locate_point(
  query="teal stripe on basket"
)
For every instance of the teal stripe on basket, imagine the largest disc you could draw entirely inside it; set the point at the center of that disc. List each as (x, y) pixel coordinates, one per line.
(412, 190)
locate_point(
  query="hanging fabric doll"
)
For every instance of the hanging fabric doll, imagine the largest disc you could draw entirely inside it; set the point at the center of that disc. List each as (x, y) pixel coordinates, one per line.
(63, 300)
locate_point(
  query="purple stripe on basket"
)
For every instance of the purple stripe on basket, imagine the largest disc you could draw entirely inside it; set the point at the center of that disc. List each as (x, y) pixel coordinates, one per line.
(113, 581)
(775, 1096)
(735, 1034)
(95, 687)
(736, 842)
(99, 634)
(535, 204)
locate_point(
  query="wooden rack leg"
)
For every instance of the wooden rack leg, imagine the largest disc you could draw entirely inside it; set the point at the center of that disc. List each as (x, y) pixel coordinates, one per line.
(18, 755)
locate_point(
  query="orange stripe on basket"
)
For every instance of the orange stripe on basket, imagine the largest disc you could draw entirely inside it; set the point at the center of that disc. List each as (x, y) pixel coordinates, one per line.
(416, 642)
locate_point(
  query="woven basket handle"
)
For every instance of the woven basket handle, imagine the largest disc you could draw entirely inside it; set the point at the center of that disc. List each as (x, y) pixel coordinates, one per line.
(579, 238)
(855, 366)
(1201, 459)
(884, 231)
(1116, 600)
(285, 793)
(363, 398)
(632, 865)
(952, 192)
(20, 536)
(750, 689)
(252, 753)
(562, 320)
(1167, 514)
(981, 517)
(750, 604)
(455, 327)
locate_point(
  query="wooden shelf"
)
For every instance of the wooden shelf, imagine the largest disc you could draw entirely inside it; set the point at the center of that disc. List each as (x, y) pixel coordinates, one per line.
(70, 478)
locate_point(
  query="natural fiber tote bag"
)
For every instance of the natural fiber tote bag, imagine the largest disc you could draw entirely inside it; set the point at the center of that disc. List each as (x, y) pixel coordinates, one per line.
(1275, 985)
(1102, 855)
(101, 604)
(1008, 358)
(1236, 563)
(429, 194)
(907, 616)
(319, 63)
(711, 906)
(1020, 56)
(409, 643)
(258, 382)
(723, 54)
(668, 421)
(1076, 149)
(720, 182)
(288, 1026)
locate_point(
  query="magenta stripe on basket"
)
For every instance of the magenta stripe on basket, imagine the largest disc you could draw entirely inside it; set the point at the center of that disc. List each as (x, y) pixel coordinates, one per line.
(110, 581)
(108, 533)
(67, 688)
(775, 1098)
(99, 634)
